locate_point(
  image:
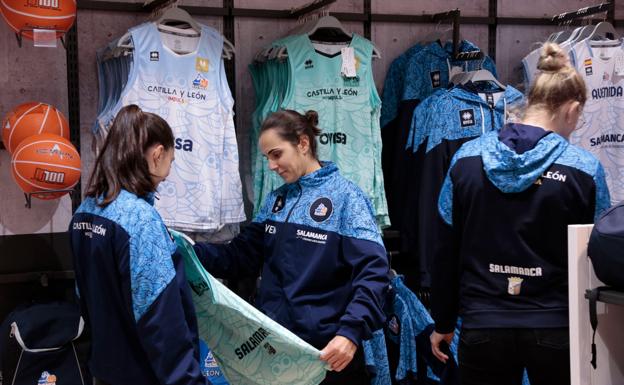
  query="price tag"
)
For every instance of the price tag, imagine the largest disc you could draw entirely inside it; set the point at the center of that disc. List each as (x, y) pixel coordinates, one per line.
(348, 62)
(44, 38)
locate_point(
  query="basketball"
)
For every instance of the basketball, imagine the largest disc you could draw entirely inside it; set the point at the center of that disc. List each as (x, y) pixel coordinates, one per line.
(30, 119)
(45, 162)
(26, 15)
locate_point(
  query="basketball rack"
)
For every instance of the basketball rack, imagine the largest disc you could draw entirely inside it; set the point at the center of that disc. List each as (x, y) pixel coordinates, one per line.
(29, 195)
(20, 38)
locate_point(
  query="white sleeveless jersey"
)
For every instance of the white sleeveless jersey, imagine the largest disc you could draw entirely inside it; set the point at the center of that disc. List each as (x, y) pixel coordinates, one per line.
(601, 127)
(191, 93)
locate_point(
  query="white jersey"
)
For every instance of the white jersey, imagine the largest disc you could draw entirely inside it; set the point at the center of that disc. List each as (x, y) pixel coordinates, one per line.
(601, 128)
(190, 91)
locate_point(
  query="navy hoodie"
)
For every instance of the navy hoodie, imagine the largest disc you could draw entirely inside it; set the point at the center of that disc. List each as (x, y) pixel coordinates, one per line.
(501, 253)
(324, 266)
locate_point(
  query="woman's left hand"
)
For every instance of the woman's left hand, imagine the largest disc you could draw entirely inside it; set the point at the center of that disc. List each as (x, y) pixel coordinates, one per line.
(338, 353)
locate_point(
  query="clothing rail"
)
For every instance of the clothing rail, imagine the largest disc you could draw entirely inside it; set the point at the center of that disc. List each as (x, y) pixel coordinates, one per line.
(582, 12)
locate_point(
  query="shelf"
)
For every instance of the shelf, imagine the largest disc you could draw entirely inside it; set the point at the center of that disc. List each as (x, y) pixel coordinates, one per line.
(609, 296)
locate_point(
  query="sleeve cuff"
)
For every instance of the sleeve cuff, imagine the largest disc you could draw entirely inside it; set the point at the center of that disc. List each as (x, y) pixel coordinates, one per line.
(352, 334)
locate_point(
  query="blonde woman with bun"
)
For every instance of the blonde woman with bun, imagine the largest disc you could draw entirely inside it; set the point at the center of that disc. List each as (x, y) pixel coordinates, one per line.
(501, 261)
(316, 243)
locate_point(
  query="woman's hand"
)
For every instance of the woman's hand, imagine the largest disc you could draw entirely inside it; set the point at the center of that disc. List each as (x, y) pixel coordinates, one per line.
(338, 353)
(435, 339)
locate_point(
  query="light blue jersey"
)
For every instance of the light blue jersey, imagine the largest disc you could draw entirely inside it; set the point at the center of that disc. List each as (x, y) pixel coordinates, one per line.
(190, 91)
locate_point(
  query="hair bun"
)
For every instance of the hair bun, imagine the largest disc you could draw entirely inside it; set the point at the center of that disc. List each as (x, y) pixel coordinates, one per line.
(553, 58)
(312, 117)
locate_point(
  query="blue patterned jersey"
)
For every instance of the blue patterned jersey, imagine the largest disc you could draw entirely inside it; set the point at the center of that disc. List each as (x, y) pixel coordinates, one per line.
(324, 266)
(429, 69)
(134, 294)
(516, 188)
(393, 85)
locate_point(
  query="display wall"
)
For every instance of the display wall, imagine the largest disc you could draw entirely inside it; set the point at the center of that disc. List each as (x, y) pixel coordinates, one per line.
(29, 73)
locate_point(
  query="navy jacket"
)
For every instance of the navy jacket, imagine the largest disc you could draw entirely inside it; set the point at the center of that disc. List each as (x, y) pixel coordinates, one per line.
(324, 266)
(134, 295)
(501, 252)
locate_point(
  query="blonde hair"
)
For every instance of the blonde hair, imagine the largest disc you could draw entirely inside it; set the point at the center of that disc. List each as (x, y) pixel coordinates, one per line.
(557, 81)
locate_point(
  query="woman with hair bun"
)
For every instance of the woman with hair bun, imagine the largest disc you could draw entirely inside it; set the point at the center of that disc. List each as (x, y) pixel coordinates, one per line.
(501, 260)
(317, 246)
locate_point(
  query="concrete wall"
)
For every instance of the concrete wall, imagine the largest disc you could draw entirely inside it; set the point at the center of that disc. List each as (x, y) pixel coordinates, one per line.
(29, 73)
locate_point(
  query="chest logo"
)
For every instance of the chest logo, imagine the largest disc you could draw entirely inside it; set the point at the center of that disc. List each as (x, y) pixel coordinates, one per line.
(515, 283)
(436, 80)
(154, 56)
(309, 64)
(321, 209)
(279, 204)
(466, 118)
(202, 64)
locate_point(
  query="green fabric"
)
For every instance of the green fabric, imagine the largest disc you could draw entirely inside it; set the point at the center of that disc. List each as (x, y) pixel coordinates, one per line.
(250, 348)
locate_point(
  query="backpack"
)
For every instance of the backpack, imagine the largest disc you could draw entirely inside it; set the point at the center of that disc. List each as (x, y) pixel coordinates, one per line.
(40, 345)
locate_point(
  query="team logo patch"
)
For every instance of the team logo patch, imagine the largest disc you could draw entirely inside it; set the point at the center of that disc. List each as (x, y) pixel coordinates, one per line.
(309, 64)
(436, 80)
(589, 71)
(280, 201)
(466, 117)
(514, 286)
(394, 325)
(588, 62)
(200, 82)
(202, 64)
(321, 209)
(154, 56)
(47, 378)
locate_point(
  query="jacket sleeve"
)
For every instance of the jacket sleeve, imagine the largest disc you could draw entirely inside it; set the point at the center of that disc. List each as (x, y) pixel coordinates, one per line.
(603, 200)
(445, 269)
(364, 252)
(243, 256)
(162, 323)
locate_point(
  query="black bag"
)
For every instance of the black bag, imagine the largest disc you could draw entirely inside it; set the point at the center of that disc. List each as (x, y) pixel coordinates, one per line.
(606, 247)
(38, 346)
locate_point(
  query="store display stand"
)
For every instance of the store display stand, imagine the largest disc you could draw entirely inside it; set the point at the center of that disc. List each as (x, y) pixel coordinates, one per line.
(610, 333)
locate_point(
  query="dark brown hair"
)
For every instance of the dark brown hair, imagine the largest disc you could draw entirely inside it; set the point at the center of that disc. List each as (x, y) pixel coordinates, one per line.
(121, 163)
(290, 125)
(557, 82)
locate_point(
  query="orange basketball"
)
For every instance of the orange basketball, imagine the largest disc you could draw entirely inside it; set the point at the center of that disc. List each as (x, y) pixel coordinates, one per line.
(45, 162)
(26, 15)
(29, 119)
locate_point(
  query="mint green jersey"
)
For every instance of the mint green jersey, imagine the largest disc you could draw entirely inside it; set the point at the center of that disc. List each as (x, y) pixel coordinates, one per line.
(348, 111)
(250, 348)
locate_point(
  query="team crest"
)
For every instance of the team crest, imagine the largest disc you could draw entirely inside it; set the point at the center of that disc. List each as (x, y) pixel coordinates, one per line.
(515, 284)
(202, 64)
(200, 82)
(321, 209)
(47, 378)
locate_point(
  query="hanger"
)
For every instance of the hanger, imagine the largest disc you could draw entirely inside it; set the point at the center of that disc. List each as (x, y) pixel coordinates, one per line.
(482, 76)
(175, 14)
(330, 22)
(602, 30)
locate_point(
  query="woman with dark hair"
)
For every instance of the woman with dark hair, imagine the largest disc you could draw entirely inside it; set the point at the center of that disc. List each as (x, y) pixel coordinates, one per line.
(315, 241)
(129, 278)
(501, 258)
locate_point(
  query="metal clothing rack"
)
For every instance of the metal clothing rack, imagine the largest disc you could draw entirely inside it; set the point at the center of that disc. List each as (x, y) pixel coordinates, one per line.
(583, 12)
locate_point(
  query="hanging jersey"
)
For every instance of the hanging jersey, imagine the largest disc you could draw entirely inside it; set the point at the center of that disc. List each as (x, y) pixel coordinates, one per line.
(191, 93)
(602, 123)
(348, 112)
(457, 117)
